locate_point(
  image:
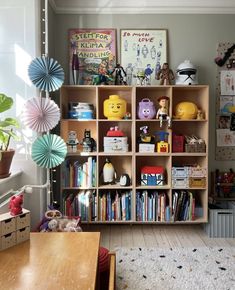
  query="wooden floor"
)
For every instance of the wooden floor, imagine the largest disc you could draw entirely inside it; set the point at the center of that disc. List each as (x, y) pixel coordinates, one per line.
(168, 236)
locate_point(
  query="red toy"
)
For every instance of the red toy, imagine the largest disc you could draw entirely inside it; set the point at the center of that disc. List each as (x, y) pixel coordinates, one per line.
(15, 205)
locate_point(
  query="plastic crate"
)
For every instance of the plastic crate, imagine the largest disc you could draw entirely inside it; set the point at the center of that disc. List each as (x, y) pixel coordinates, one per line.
(221, 223)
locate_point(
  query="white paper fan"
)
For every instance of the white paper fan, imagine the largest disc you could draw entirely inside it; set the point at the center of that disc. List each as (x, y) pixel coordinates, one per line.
(41, 114)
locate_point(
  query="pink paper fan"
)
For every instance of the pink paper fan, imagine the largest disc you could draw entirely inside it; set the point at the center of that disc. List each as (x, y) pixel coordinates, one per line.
(41, 114)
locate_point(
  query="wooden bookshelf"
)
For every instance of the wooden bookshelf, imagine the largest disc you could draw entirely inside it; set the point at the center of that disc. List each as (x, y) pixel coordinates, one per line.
(132, 161)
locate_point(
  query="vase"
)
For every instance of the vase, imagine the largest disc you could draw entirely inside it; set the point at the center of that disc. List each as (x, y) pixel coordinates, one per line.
(5, 162)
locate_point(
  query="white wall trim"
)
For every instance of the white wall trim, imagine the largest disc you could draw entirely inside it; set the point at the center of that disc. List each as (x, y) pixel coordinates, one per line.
(143, 7)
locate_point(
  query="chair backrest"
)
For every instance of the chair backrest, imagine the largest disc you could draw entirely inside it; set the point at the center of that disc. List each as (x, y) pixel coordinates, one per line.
(112, 271)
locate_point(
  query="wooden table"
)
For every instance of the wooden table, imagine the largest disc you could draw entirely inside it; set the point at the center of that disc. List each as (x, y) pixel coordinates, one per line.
(51, 261)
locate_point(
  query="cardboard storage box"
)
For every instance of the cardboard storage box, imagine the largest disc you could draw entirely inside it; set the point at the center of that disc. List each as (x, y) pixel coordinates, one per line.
(146, 147)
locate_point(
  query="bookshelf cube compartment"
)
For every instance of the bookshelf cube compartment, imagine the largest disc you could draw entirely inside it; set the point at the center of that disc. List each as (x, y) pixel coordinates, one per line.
(124, 145)
(152, 162)
(114, 205)
(189, 161)
(70, 94)
(79, 172)
(152, 205)
(124, 92)
(122, 165)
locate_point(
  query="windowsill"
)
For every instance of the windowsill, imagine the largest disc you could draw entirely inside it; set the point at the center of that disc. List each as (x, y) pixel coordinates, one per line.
(14, 173)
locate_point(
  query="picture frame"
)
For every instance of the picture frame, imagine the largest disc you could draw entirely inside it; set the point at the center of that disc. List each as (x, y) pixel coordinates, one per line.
(143, 50)
(227, 82)
(92, 55)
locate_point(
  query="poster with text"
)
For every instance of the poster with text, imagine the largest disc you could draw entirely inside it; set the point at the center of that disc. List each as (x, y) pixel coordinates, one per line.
(143, 52)
(92, 55)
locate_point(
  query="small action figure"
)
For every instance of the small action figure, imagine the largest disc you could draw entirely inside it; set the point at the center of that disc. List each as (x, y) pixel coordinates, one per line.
(88, 143)
(162, 113)
(72, 141)
(119, 75)
(165, 75)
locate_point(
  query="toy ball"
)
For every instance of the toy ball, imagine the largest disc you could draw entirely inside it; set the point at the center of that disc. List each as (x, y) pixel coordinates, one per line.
(186, 110)
(114, 108)
(146, 109)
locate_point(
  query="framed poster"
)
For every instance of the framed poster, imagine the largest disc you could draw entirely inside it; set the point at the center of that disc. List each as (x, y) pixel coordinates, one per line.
(143, 51)
(92, 53)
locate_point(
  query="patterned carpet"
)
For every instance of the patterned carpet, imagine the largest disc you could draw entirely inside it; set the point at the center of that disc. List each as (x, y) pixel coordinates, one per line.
(178, 268)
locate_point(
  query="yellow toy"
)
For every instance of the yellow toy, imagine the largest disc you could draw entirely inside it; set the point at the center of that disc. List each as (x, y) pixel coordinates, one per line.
(186, 110)
(162, 147)
(114, 108)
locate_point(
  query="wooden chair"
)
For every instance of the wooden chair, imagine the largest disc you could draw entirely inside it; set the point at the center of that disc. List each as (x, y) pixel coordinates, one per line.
(112, 271)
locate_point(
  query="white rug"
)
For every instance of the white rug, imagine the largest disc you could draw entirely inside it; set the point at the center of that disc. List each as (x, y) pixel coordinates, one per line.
(178, 269)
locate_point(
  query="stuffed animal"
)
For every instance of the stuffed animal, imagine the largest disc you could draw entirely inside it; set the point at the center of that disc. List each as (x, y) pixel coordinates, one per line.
(15, 205)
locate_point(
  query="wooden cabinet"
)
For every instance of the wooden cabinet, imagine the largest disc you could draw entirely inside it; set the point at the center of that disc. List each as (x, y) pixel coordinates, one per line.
(139, 202)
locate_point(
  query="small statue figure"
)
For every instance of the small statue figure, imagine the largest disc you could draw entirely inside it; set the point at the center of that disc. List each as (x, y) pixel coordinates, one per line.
(165, 75)
(148, 71)
(72, 141)
(109, 174)
(162, 113)
(88, 143)
(145, 137)
(15, 205)
(119, 75)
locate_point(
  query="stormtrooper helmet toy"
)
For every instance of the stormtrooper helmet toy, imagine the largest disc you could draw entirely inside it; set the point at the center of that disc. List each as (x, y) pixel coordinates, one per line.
(186, 74)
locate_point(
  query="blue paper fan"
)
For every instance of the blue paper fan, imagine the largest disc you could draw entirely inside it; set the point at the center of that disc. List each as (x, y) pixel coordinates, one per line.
(49, 151)
(46, 74)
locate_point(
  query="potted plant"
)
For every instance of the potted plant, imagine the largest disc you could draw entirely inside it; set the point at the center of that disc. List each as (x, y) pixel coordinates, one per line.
(6, 132)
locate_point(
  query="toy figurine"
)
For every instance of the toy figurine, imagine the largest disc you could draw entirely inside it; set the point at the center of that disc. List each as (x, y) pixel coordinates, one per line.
(148, 71)
(72, 141)
(145, 137)
(140, 77)
(162, 113)
(109, 174)
(165, 75)
(15, 205)
(125, 180)
(114, 108)
(119, 75)
(162, 145)
(88, 143)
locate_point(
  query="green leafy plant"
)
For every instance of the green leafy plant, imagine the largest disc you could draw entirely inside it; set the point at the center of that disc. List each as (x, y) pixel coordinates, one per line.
(7, 126)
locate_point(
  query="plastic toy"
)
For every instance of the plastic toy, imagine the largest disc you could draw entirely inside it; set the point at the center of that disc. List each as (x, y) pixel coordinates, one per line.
(186, 110)
(125, 180)
(15, 205)
(119, 75)
(186, 74)
(72, 141)
(88, 143)
(162, 145)
(109, 174)
(140, 77)
(115, 132)
(162, 113)
(114, 108)
(145, 137)
(146, 109)
(165, 75)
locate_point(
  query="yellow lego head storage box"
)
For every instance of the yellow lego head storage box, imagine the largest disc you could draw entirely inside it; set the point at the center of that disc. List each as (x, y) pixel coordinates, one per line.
(186, 110)
(114, 108)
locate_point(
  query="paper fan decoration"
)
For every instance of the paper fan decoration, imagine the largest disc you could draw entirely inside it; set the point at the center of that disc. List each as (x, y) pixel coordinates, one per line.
(46, 74)
(49, 151)
(41, 114)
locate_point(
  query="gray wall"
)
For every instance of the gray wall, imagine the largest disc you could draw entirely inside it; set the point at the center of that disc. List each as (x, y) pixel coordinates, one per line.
(191, 37)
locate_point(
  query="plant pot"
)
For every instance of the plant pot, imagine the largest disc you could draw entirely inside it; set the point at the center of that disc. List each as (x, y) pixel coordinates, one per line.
(5, 163)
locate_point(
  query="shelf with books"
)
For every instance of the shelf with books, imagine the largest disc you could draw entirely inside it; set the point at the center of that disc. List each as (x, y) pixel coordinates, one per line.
(148, 167)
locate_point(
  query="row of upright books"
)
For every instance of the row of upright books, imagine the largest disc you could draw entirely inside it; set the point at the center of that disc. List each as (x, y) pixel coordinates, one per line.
(152, 206)
(115, 206)
(183, 208)
(78, 174)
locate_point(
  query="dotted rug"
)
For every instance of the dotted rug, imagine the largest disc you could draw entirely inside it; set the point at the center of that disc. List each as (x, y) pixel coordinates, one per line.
(178, 268)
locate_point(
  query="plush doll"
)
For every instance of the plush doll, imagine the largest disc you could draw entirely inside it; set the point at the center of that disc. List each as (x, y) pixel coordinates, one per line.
(15, 205)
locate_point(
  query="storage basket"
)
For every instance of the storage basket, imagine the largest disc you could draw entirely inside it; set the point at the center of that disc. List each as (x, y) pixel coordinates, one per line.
(194, 148)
